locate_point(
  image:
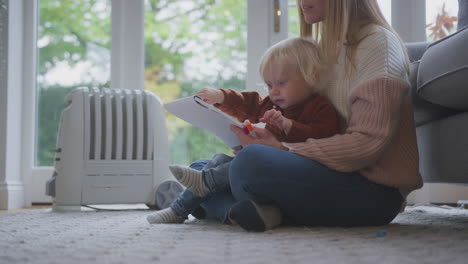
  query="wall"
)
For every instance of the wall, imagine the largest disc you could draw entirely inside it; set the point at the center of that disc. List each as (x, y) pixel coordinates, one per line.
(11, 187)
(3, 98)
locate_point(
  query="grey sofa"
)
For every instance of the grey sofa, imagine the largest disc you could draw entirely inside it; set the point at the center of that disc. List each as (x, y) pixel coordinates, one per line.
(439, 80)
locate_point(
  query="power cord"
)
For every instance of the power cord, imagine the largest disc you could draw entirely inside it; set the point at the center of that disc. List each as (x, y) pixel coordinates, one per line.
(116, 210)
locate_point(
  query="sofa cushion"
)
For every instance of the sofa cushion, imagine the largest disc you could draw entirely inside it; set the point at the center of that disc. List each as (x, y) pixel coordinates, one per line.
(443, 148)
(425, 111)
(443, 72)
(416, 50)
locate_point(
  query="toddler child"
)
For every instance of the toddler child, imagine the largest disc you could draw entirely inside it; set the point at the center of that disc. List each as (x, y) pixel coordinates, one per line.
(294, 73)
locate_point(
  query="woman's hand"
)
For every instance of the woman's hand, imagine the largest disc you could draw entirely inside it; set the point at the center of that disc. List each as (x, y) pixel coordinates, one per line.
(276, 118)
(236, 150)
(262, 136)
(211, 95)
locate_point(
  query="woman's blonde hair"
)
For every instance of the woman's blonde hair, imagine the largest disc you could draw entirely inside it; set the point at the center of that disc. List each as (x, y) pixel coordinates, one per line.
(303, 54)
(341, 24)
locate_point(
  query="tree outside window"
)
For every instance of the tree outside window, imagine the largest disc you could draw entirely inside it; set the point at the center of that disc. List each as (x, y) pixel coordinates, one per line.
(441, 18)
(190, 45)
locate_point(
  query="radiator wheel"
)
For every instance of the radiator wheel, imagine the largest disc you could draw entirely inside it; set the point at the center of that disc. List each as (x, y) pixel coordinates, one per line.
(165, 194)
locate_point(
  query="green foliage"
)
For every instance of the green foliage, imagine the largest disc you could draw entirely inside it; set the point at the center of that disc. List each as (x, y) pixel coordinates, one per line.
(176, 32)
(67, 27)
(293, 20)
(201, 145)
(51, 104)
(213, 30)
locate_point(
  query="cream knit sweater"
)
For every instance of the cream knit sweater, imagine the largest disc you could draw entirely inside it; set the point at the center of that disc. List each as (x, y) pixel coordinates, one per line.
(379, 139)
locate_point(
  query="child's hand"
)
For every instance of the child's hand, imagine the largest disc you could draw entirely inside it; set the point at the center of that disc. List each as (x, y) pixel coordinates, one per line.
(274, 117)
(211, 95)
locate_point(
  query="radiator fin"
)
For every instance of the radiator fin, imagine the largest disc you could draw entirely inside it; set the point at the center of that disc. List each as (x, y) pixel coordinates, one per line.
(128, 105)
(96, 102)
(138, 126)
(108, 132)
(119, 125)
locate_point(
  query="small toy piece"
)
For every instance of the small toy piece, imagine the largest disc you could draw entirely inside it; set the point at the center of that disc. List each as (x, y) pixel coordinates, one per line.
(380, 233)
(247, 127)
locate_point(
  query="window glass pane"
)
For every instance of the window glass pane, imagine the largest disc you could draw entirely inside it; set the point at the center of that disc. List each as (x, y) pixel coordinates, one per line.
(386, 8)
(293, 19)
(441, 18)
(190, 45)
(74, 50)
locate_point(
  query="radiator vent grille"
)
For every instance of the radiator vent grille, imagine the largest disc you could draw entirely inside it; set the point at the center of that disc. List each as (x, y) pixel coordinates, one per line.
(118, 125)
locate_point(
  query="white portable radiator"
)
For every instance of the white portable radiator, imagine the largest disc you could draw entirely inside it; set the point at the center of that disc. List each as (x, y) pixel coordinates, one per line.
(112, 148)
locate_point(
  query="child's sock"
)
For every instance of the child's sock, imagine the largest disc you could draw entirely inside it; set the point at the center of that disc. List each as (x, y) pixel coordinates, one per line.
(190, 178)
(165, 216)
(254, 217)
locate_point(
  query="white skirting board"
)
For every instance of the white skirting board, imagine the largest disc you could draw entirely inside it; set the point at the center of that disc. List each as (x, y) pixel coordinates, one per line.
(11, 195)
(439, 193)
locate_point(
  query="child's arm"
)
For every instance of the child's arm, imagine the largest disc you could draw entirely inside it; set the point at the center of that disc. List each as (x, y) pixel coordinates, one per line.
(318, 120)
(211, 95)
(321, 123)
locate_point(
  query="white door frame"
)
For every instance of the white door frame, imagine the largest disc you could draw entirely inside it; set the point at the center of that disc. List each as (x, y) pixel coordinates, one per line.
(261, 35)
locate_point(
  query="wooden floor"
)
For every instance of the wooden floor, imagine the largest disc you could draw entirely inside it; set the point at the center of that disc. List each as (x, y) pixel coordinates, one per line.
(37, 206)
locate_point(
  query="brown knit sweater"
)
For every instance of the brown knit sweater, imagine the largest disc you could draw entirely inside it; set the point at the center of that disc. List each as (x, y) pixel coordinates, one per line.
(379, 139)
(314, 118)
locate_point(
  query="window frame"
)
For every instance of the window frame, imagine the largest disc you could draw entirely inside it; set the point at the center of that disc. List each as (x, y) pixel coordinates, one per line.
(127, 19)
(409, 19)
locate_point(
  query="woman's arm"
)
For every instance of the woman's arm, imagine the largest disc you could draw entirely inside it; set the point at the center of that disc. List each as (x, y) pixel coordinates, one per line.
(378, 88)
(375, 114)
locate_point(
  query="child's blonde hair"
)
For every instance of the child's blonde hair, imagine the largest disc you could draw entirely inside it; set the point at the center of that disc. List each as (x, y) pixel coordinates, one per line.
(342, 21)
(304, 54)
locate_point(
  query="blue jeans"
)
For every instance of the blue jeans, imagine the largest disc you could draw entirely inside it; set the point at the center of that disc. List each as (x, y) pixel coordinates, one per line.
(216, 172)
(216, 177)
(307, 192)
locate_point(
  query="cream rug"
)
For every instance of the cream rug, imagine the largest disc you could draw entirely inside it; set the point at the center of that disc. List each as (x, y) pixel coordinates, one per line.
(422, 234)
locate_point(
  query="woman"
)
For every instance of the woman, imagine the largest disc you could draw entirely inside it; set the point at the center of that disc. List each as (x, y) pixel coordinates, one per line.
(358, 177)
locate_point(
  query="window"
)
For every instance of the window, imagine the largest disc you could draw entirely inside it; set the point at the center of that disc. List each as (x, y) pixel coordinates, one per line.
(386, 8)
(293, 19)
(190, 45)
(441, 18)
(73, 50)
(293, 16)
